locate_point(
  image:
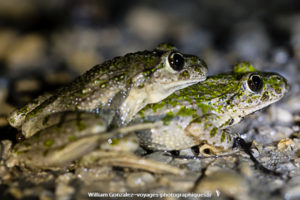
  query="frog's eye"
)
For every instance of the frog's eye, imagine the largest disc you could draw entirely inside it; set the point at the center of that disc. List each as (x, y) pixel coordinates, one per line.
(255, 83)
(176, 61)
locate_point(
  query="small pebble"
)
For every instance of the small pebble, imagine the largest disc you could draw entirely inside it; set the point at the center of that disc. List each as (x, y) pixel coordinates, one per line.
(292, 189)
(147, 23)
(3, 121)
(46, 195)
(285, 144)
(283, 115)
(64, 191)
(158, 156)
(16, 192)
(140, 180)
(245, 169)
(58, 78)
(65, 178)
(6, 146)
(292, 193)
(28, 51)
(27, 85)
(227, 182)
(94, 173)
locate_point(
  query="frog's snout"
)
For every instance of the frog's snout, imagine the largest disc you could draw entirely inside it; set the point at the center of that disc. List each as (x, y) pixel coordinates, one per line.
(285, 85)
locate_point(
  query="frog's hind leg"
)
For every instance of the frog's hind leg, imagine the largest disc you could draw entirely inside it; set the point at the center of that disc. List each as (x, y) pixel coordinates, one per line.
(41, 122)
(59, 145)
(128, 160)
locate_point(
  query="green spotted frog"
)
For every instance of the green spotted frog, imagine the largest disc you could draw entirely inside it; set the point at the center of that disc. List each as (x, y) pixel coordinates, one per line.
(118, 87)
(202, 113)
(191, 116)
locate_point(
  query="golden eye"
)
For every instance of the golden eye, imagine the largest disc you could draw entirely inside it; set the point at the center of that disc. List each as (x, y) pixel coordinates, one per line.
(176, 61)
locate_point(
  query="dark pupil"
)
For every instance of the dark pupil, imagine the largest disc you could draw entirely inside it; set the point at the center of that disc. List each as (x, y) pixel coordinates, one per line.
(255, 83)
(176, 61)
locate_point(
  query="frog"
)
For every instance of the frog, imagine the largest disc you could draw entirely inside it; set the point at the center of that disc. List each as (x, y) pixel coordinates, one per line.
(205, 113)
(199, 113)
(117, 88)
(87, 142)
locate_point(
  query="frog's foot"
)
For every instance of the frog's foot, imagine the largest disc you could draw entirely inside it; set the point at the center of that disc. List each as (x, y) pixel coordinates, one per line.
(126, 159)
(209, 150)
(239, 142)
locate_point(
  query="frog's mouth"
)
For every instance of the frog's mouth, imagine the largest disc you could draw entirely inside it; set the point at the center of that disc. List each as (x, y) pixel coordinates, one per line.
(155, 95)
(255, 107)
(178, 85)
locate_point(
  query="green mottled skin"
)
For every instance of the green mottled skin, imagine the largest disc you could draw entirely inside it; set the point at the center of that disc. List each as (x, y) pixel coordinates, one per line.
(196, 114)
(121, 86)
(202, 112)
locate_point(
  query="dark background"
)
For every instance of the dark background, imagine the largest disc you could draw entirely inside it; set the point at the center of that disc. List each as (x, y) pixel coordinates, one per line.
(45, 44)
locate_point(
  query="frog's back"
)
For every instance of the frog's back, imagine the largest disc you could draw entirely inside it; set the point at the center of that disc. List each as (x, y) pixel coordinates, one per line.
(97, 87)
(124, 84)
(93, 89)
(198, 99)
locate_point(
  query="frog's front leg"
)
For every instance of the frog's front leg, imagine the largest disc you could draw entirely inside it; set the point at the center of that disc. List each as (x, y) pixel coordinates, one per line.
(17, 118)
(211, 130)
